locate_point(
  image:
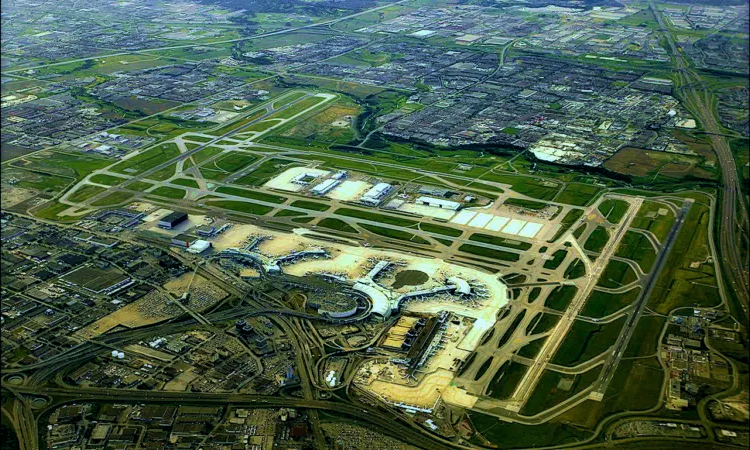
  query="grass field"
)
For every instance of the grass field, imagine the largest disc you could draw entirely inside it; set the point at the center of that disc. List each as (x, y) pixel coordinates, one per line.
(187, 182)
(616, 274)
(312, 206)
(645, 341)
(654, 217)
(515, 435)
(544, 323)
(38, 181)
(511, 329)
(382, 218)
(237, 124)
(263, 125)
(586, 340)
(531, 349)
(234, 161)
(324, 127)
(577, 194)
(601, 304)
(138, 186)
(147, 160)
(254, 195)
(113, 199)
(288, 213)
(597, 240)
(682, 285)
(109, 180)
(527, 204)
(500, 242)
(489, 252)
(336, 224)
(440, 229)
(197, 138)
(163, 174)
(560, 297)
(635, 386)
(265, 171)
(505, 380)
(578, 232)
(166, 191)
(576, 269)
(73, 165)
(555, 387)
(613, 210)
(566, 222)
(534, 294)
(298, 107)
(288, 99)
(557, 258)
(533, 187)
(391, 233)
(636, 247)
(483, 368)
(203, 154)
(51, 210)
(660, 168)
(85, 192)
(246, 207)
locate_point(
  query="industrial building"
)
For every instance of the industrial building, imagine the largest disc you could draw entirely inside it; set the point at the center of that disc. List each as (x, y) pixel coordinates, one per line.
(172, 219)
(375, 194)
(184, 240)
(304, 178)
(206, 230)
(438, 203)
(435, 191)
(199, 246)
(325, 187)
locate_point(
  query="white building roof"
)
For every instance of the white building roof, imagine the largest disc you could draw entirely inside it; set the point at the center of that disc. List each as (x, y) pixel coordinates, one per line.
(462, 286)
(377, 191)
(381, 303)
(199, 246)
(447, 204)
(325, 186)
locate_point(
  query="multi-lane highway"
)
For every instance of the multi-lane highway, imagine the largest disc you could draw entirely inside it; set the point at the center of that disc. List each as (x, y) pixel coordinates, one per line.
(382, 420)
(733, 215)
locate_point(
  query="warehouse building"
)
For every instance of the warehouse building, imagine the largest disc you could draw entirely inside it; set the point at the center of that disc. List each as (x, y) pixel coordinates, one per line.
(438, 203)
(184, 240)
(172, 219)
(376, 194)
(325, 187)
(199, 246)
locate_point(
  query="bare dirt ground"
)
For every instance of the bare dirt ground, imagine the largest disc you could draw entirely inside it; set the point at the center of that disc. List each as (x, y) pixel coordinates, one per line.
(11, 196)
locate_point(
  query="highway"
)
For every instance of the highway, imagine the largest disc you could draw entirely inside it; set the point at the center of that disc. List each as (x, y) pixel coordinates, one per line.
(383, 421)
(733, 215)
